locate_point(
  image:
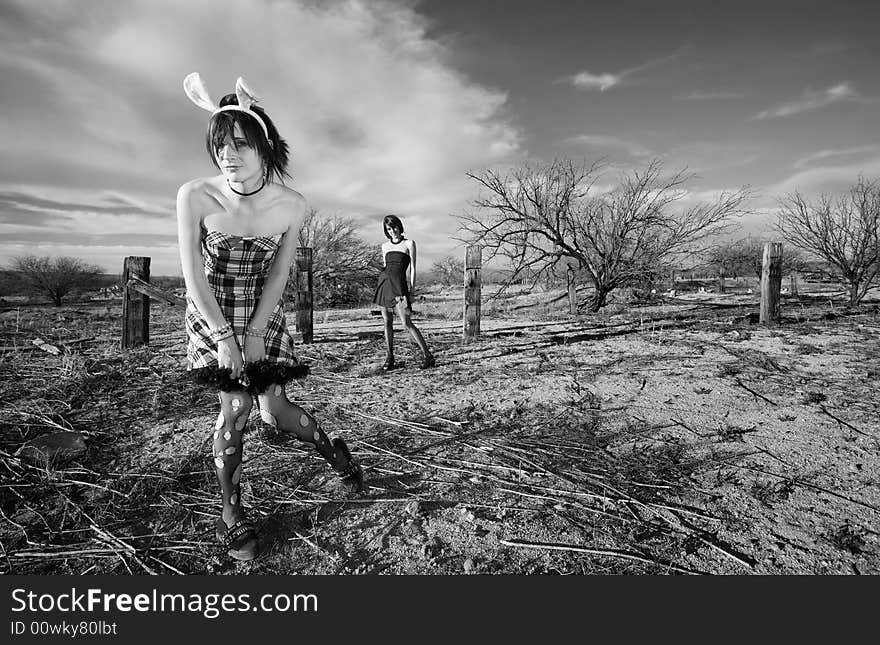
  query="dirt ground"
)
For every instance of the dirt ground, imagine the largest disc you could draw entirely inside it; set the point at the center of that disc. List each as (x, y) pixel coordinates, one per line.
(672, 438)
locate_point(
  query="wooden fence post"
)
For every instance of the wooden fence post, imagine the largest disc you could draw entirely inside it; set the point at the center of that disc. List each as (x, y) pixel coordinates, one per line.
(721, 279)
(472, 292)
(135, 305)
(771, 283)
(303, 286)
(572, 292)
(793, 280)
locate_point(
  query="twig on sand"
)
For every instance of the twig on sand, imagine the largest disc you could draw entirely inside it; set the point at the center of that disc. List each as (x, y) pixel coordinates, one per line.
(756, 394)
(168, 566)
(457, 424)
(842, 422)
(416, 463)
(69, 482)
(111, 539)
(394, 454)
(797, 482)
(687, 427)
(613, 553)
(412, 425)
(316, 547)
(54, 555)
(699, 534)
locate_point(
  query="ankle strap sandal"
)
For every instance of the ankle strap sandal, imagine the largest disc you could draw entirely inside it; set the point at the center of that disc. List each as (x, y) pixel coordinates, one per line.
(239, 540)
(350, 472)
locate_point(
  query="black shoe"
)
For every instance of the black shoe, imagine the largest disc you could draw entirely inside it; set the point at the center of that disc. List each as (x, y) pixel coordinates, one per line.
(351, 474)
(428, 361)
(388, 365)
(239, 540)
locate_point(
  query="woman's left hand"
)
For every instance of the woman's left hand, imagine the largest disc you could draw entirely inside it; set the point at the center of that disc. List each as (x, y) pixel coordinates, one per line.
(254, 349)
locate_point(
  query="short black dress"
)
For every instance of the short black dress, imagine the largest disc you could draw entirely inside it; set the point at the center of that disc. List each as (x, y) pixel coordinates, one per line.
(393, 286)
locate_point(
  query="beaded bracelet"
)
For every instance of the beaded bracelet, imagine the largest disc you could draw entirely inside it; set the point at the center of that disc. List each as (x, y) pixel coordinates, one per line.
(221, 333)
(256, 333)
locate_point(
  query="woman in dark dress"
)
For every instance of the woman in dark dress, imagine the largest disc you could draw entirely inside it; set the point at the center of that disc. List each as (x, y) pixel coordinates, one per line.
(394, 290)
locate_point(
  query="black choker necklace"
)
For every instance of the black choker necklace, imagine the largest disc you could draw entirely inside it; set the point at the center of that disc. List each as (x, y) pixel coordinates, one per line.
(246, 194)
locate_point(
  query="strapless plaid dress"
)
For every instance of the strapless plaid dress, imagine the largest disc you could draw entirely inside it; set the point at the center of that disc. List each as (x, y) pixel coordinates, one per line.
(236, 268)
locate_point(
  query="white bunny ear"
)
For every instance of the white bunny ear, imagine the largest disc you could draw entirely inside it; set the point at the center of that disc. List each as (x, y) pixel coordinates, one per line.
(195, 89)
(246, 98)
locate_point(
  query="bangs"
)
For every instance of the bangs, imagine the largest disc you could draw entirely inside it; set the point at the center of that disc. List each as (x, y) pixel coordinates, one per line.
(391, 221)
(222, 126)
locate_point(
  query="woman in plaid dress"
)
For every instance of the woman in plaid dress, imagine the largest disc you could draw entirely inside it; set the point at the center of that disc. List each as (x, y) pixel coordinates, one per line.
(238, 233)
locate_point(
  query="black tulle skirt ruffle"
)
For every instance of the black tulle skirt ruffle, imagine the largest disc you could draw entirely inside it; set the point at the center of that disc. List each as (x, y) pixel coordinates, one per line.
(257, 377)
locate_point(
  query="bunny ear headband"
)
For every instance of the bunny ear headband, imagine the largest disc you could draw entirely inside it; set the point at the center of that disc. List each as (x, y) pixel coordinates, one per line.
(195, 89)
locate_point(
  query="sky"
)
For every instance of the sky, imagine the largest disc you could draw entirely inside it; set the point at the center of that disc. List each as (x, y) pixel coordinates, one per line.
(387, 105)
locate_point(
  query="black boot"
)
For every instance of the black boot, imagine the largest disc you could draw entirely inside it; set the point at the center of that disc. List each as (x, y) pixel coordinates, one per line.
(348, 470)
(388, 365)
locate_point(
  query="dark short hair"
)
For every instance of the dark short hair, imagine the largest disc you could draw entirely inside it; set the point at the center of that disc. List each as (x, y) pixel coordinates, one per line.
(391, 220)
(222, 126)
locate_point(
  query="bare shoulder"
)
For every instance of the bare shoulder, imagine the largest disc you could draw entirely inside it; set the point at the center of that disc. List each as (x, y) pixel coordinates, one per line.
(195, 195)
(292, 204)
(291, 198)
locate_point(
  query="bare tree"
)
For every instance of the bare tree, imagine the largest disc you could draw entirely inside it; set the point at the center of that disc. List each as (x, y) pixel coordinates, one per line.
(843, 231)
(344, 265)
(539, 219)
(56, 277)
(448, 270)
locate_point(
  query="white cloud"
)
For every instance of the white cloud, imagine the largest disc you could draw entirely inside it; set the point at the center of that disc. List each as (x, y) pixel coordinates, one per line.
(603, 141)
(827, 179)
(826, 154)
(606, 80)
(699, 95)
(602, 82)
(811, 100)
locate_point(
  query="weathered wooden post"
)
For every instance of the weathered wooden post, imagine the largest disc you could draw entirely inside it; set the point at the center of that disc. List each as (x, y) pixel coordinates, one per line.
(135, 305)
(472, 292)
(793, 283)
(303, 289)
(771, 283)
(721, 279)
(572, 292)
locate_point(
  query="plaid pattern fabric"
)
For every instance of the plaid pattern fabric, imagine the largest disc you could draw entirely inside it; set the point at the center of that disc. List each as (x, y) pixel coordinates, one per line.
(236, 268)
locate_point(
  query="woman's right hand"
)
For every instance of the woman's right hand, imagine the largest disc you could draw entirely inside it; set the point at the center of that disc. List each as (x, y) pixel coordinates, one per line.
(229, 356)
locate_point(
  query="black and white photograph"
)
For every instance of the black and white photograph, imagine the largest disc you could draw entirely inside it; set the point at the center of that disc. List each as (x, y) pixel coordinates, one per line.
(439, 288)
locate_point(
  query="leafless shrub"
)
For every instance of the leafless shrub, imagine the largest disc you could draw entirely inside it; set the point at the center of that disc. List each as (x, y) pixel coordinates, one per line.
(344, 265)
(56, 277)
(814, 397)
(842, 231)
(772, 492)
(850, 538)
